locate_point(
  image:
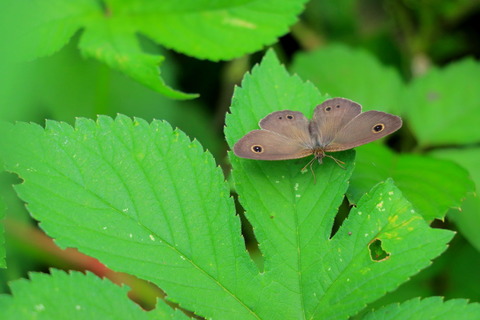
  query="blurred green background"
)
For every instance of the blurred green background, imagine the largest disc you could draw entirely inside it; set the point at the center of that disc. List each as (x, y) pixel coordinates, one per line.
(409, 37)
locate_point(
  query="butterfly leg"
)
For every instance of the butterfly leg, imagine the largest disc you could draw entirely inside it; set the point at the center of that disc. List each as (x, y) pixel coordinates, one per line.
(310, 164)
(340, 163)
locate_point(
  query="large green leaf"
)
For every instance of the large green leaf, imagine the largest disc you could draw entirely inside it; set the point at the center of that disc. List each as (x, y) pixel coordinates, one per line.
(441, 109)
(222, 29)
(326, 278)
(354, 73)
(143, 199)
(432, 185)
(75, 296)
(215, 30)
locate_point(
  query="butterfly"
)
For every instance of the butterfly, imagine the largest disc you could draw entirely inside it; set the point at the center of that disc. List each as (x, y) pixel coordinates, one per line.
(338, 124)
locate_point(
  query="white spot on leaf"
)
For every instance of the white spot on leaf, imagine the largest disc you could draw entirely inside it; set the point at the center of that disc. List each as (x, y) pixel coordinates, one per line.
(380, 205)
(239, 23)
(39, 307)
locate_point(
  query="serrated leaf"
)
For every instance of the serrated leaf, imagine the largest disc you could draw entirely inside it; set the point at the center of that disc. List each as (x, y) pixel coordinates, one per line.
(442, 110)
(74, 296)
(146, 200)
(428, 308)
(354, 73)
(143, 199)
(352, 276)
(468, 219)
(320, 278)
(432, 185)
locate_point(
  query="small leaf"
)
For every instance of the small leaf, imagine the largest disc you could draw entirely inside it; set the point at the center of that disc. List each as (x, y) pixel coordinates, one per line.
(143, 199)
(432, 185)
(442, 110)
(468, 219)
(352, 73)
(428, 308)
(113, 41)
(57, 295)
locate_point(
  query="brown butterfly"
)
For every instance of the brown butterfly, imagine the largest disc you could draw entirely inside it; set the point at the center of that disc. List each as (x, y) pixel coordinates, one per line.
(338, 124)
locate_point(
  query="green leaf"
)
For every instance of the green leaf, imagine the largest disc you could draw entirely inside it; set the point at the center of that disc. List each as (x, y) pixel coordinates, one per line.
(442, 110)
(428, 308)
(113, 42)
(144, 200)
(40, 28)
(214, 30)
(218, 30)
(468, 219)
(352, 73)
(352, 274)
(320, 276)
(432, 185)
(77, 296)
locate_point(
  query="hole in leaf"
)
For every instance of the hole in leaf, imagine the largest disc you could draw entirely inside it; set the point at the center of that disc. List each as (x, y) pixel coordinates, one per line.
(376, 251)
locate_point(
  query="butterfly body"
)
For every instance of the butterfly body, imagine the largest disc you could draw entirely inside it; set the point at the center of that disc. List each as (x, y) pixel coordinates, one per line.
(337, 124)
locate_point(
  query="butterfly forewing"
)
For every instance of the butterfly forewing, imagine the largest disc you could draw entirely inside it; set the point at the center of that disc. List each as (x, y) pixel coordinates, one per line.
(331, 116)
(366, 127)
(268, 145)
